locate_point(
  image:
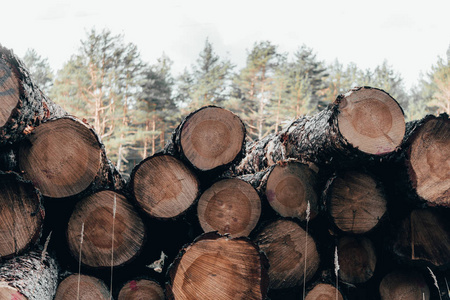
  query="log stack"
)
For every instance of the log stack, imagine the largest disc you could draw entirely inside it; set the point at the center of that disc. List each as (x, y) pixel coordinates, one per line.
(351, 203)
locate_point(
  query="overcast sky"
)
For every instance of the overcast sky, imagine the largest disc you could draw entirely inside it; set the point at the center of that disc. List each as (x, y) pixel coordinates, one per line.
(410, 35)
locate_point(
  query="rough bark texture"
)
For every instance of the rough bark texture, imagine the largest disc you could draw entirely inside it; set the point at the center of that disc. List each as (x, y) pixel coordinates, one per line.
(164, 186)
(141, 289)
(21, 215)
(23, 106)
(217, 267)
(214, 138)
(32, 276)
(319, 138)
(64, 157)
(89, 287)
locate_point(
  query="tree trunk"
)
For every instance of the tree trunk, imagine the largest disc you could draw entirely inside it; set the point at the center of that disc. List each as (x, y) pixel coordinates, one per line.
(23, 106)
(357, 259)
(163, 186)
(83, 287)
(141, 289)
(356, 202)
(230, 206)
(363, 124)
(32, 276)
(221, 268)
(209, 139)
(427, 156)
(21, 215)
(404, 284)
(64, 157)
(291, 251)
(105, 230)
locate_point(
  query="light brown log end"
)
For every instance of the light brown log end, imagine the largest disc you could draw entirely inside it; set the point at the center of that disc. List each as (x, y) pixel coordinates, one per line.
(404, 285)
(289, 249)
(290, 186)
(371, 120)
(9, 92)
(429, 160)
(8, 292)
(230, 206)
(164, 187)
(356, 202)
(61, 157)
(88, 288)
(219, 268)
(94, 218)
(141, 289)
(212, 137)
(21, 215)
(357, 259)
(324, 291)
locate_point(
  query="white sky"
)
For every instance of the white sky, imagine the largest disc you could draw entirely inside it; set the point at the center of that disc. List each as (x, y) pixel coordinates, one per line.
(409, 34)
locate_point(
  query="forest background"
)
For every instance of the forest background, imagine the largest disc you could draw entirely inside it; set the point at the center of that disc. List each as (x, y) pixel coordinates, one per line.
(134, 105)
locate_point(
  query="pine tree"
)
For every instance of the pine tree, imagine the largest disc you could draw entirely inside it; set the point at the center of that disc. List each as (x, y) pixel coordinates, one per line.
(40, 70)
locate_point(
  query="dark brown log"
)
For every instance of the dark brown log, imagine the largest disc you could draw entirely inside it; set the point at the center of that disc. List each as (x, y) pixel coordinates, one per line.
(163, 186)
(230, 206)
(32, 276)
(21, 215)
(324, 291)
(356, 202)
(23, 106)
(221, 268)
(427, 156)
(82, 287)
(93, 221)
(210, 139)
(424, 236)
(363, 124)
(64, 157)
(291, 252)
(404, 284)
(357, 259)
(141, 289)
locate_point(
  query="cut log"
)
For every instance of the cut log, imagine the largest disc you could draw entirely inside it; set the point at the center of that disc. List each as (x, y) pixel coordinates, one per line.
(291, 252)
(216, 267)
(21, 215)
(32, 276)
(64, 157)
(141, 289)
(357, 259)
(404, 285)
(23, 106)
(210, 139)
(111, 230)
(428, 159)
(365, 123)
(230, 206)
(356, 202)
(163, 186)
(82, 287)
(325, 291)
(424, 236)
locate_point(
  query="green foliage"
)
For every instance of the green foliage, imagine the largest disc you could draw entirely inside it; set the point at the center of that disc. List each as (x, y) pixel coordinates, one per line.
(39, 69)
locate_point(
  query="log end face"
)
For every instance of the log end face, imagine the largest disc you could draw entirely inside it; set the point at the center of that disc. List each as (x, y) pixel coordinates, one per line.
(10, 293)
(90, 288)
(141, 289)
(9, 92)
(404, 285)
(324, 291)
(371, 120)
(357, 259)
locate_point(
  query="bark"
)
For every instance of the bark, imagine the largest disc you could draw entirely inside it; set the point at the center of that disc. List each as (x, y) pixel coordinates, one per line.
(141, 289)
(230, 206)
(64, 157)
(362, 125)
(21, 214)
(32, 276)
(163, 186)
(404, 284)
(83, 287)
(23, 106)
(291, 251)
(210, 139)
(356, 201)
(105, 230)
(218, 267)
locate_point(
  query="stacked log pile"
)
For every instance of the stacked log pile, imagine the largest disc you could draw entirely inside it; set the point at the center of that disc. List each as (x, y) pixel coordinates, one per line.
(351, 203)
